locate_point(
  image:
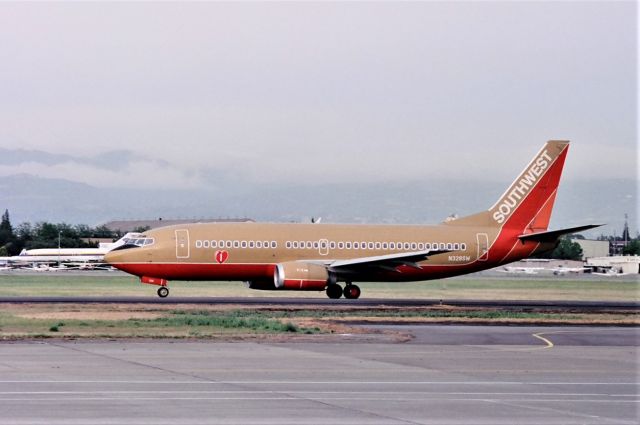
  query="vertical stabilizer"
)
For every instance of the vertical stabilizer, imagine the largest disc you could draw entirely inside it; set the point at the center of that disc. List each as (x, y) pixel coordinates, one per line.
(528, 202)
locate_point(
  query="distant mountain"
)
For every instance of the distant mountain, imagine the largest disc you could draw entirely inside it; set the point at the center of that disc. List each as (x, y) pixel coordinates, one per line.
(112, 160)
(33, 199)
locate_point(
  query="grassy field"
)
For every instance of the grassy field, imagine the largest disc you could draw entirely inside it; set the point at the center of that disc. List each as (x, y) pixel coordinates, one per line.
(18, 321)
(477, 287)
(46, 321)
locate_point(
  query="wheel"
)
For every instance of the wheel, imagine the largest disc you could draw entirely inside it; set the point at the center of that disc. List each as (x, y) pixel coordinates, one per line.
(163, 291)
(352, 292)
(334, 291)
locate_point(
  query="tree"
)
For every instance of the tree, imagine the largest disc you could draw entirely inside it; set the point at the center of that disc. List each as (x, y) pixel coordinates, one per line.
(567, 250)
(632, 248)
(6, 231)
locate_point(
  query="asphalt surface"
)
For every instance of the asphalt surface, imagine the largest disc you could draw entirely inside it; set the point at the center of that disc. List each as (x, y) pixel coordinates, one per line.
(363, 302)
(445, 375)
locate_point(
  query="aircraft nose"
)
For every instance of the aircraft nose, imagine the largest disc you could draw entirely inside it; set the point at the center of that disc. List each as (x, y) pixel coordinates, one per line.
(114, 257)
(121, 258)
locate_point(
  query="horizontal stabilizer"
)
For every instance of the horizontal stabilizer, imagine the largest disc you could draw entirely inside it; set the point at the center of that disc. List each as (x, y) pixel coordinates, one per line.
(553, 235)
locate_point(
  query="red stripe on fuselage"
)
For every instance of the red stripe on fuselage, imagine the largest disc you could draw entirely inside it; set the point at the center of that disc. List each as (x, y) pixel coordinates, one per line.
(199, 271)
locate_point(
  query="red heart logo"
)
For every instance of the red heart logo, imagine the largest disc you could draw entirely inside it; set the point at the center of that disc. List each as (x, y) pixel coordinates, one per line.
(221, 256)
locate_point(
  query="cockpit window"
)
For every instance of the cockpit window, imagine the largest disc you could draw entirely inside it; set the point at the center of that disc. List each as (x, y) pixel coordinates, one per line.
(144, 241)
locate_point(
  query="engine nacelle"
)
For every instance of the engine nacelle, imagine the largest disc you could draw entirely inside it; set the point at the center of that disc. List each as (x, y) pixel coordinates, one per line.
(300, 276)
(262, 284)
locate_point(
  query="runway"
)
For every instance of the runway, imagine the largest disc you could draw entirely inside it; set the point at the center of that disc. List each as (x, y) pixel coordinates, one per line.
(363, 302)
(445, 375)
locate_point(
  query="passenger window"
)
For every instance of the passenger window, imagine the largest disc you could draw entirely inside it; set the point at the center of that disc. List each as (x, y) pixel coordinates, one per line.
(228, 244)
(340, 245)
(371, 245)
(332, 245)
(295, 244)
(288, 245)
(414, 246)
(214, 244)
(274, 244)
(243, 244)
(392, 245)
(407, 245)
(258, 244)
(252, 244)
(385, 245)
(420, 246)
(265, 244)
(456, 246)
(442, 246)
(309, 245)
(463, 246)
(315, 245)
(378, 245)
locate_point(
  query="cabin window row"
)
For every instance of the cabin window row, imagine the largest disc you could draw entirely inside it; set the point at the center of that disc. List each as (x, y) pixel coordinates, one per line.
(236, 244)
(404, 246)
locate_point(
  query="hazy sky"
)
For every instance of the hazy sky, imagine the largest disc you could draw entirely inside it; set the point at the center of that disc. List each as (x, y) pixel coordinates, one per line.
(319, 92)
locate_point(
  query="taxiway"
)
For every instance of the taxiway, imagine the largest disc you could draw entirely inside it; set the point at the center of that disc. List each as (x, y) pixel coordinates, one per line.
(445, 375)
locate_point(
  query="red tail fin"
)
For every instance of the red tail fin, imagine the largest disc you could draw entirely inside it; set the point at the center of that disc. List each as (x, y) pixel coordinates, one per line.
(527, 203)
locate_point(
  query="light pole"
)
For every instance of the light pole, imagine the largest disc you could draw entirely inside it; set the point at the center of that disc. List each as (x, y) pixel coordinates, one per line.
(59, 236)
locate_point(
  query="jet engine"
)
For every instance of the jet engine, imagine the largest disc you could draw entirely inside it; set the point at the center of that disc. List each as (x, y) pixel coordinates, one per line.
(294, 275)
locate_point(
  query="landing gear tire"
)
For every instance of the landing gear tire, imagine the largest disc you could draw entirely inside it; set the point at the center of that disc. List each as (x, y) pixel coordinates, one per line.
(352, 292)
(334, 291)
(163, 291)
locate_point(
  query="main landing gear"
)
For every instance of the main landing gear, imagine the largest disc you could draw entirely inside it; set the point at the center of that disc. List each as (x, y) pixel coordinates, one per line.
(350, 292)
(163, 291)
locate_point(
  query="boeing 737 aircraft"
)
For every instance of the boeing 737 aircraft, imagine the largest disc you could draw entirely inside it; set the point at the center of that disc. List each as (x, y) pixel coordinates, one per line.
(316, 257)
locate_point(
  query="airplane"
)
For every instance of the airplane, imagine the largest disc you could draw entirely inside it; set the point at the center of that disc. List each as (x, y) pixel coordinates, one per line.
(612, 272)
(565, 270)
(69, 256)
(521, 270)
(318, 256)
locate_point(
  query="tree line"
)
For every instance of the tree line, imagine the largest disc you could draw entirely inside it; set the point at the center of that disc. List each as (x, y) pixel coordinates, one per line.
(46, 235)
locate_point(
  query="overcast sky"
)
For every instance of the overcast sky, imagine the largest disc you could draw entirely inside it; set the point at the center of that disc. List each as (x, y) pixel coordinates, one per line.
(319, 92)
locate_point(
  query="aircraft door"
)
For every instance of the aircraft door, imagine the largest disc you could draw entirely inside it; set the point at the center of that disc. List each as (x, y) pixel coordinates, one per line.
(323, 247)
(182, 243)
(483, 246)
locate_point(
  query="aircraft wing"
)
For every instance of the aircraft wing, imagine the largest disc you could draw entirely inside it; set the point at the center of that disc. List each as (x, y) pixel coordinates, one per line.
(553, 235)
(389, 262)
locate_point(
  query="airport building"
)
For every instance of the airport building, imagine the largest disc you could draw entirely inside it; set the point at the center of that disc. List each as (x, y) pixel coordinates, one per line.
(126, 226)
(628, 264)
(592, 248)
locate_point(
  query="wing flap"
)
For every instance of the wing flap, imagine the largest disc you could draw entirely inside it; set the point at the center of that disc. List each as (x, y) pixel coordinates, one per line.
(389, 262)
